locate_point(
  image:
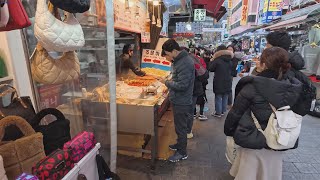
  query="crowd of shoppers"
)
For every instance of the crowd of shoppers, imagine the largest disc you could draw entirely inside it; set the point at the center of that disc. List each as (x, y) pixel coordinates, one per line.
(276, 82)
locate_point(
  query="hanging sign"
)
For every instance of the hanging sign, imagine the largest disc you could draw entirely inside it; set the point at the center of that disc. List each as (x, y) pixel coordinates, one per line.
(145, 37)
(200, 14)
(153, 59)
(272, 10)
(230, 4)
(244, 13)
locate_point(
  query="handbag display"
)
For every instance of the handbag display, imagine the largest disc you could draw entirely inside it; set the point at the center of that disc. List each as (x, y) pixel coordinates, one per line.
(104, 170)
(56, 133)
(19, 106)
(56, 35)
(80, 145)
(55, 166)
(18, 17)
(20, 155)
(283, 129)
(4, 14)
(72, 6)
(3, 175)
(47, 70)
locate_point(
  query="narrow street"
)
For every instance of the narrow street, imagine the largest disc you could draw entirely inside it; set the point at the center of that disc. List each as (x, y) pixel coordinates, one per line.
(207, 154)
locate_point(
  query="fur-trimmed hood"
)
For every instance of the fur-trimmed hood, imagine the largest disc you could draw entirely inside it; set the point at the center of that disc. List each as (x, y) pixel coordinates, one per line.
(223, 53)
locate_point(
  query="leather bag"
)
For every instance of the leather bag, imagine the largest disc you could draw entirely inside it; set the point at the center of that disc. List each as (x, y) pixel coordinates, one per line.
(56, 133)
(56, 35)
(4, 14)
(72, 6)
(20, 155)
(18, 18)
(80, 145)
(55, 166)
(19, 106)
(47, 70)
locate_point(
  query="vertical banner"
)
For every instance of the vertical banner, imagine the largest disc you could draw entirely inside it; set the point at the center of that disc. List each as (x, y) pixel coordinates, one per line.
(230, 4)
(244, 13)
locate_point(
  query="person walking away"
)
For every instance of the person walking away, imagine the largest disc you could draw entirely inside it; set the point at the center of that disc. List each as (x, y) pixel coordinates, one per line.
(180, 94)
(222, 83)
(234, 72)
(126, 62)
(255, 160)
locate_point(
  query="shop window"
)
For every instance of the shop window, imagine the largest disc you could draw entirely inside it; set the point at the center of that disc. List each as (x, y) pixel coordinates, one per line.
(252, 18)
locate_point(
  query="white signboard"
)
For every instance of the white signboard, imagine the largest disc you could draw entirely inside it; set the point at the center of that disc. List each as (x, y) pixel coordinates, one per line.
(145, 37)
(200, 15)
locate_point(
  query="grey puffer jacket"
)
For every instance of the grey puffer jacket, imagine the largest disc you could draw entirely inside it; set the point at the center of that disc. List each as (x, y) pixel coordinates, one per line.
(181, 85)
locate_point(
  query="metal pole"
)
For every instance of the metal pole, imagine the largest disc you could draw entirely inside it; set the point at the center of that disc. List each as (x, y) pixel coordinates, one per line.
(112, 83)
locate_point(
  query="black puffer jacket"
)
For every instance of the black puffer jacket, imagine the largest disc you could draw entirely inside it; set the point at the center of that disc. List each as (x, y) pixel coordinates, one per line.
(308, 93)
(181, 85)
(222, 68)
(254, 95)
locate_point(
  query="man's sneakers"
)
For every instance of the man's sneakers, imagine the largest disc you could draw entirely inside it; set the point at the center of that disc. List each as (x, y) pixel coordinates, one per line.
(177, 157)
(190, 135)
(173, 147)
(203, 118)
(217, 115)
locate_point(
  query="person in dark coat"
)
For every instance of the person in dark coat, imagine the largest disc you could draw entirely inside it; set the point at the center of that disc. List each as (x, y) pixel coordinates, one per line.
(254, 94)
(222, 83)
(126, 62)
(235, 62)
(283, 40)
(180, 94)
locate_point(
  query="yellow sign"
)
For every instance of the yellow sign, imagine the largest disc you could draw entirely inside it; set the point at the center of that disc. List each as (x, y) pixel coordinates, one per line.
(230, 4)
(244, 13)
(265, 6)
(275, 5)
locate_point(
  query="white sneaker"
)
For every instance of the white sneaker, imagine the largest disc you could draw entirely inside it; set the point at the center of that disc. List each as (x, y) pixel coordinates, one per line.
(203, 118)
(190, 135)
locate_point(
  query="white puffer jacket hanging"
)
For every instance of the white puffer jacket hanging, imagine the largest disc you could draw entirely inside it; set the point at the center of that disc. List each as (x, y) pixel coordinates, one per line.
(56, 35)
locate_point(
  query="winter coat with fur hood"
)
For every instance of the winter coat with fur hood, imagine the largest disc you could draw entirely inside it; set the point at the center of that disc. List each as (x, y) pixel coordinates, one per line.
(253, 94)
(222, 68)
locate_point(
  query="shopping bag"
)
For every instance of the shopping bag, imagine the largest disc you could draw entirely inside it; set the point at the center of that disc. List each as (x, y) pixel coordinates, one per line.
(231, 149)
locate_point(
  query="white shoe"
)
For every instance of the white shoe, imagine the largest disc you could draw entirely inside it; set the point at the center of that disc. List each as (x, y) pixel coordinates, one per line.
(190, 135)
(203, 118)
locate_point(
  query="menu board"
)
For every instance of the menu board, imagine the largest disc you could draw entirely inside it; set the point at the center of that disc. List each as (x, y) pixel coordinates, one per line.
(122, 20)
(129, 21)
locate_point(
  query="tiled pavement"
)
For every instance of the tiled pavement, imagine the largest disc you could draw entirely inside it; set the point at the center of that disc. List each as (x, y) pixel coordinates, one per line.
(207, 161)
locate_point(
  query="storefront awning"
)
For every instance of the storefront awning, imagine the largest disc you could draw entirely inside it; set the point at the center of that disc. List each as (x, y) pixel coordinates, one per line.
(222, 11)
(296, 17)
(212, 6)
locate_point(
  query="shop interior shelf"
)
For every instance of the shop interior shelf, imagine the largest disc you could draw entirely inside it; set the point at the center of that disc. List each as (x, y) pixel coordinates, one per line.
(5, 79)
(98, 49)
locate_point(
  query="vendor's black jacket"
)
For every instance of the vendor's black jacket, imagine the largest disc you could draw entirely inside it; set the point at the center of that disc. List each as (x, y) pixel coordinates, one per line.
(254, 95)
(308, 93)
(183, 75)
(222, 68)
(127, 64)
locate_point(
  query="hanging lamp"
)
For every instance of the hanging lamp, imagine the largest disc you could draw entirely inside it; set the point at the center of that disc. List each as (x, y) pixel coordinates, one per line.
(137, 12)
(159, 17)
(148, 14)
(153, 16)
(127, 7)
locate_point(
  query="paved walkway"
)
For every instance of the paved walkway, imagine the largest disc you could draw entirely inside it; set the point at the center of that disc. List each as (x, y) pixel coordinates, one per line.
(207, 161)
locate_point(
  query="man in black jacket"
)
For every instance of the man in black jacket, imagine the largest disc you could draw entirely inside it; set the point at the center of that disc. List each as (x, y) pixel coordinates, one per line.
(283, 40)
(180, 95)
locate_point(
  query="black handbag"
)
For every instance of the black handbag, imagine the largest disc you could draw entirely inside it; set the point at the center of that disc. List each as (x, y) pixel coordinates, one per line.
(56, 133)
(72, 6)
(104, 170)
(19, 106)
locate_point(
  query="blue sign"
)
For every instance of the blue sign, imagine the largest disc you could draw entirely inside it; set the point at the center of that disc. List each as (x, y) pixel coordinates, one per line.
(270, 15)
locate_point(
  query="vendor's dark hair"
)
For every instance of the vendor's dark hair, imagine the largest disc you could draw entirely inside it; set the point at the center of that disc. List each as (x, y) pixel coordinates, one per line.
(232, 47)
(221, 47)
(171, 45)
(126, 49)
(279, 39)
(276, 59)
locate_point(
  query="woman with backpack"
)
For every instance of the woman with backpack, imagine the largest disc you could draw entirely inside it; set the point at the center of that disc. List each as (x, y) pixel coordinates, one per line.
(255, 98)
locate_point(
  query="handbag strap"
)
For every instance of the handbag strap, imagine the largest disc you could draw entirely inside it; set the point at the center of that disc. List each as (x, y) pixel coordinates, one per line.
(256, 122)
(21, 123)
(10, 89)
(52, 111)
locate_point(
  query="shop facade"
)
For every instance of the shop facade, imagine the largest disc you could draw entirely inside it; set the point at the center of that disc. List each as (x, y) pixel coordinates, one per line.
(84, 80)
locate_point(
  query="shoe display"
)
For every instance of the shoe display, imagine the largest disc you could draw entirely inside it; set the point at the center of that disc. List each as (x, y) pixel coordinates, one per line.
(177, 157)
(173, 147)
(190, 135)
(203, 118)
